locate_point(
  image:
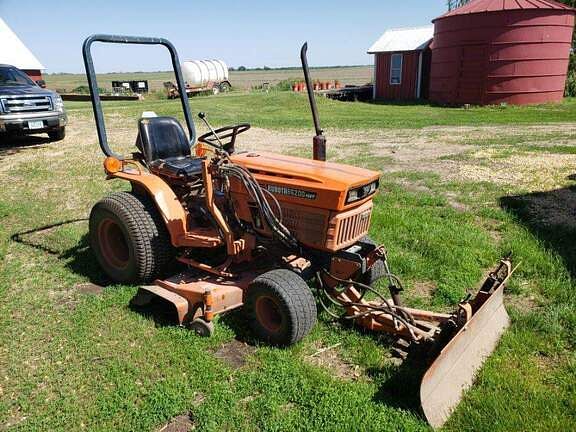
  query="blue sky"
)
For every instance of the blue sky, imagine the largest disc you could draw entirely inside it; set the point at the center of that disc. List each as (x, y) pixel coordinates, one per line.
(249, 33)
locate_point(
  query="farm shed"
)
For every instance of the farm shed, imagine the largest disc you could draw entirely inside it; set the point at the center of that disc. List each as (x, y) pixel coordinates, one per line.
(402, 63)
(14, 52)
(501, 51)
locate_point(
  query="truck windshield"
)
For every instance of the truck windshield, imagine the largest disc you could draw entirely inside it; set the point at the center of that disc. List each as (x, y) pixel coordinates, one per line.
(10, 76)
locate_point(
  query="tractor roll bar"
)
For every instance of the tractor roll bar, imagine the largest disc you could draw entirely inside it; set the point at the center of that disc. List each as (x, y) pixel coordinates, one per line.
(93, 84)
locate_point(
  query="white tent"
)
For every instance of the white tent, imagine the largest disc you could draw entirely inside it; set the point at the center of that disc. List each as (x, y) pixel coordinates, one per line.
(14, 52)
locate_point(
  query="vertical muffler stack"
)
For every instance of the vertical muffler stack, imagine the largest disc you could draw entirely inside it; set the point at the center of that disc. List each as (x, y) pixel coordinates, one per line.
(319, 141)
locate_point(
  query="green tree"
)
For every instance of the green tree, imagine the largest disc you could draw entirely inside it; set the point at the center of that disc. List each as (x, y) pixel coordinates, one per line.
(571, 81)
(453, 4)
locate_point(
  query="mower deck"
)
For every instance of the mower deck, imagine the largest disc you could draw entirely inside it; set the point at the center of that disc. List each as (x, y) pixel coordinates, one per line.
(197, 296)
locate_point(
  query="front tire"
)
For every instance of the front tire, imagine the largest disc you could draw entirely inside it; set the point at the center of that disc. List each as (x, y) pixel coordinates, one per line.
(280, 307)
(129, 238)
(58, 134)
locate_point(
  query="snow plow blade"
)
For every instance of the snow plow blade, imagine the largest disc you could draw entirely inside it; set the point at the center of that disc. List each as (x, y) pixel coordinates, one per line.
(454, 369)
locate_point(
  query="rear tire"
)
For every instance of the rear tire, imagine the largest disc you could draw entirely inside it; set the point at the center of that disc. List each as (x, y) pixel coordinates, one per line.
(280, 307)
(129, 238)
(58, 134)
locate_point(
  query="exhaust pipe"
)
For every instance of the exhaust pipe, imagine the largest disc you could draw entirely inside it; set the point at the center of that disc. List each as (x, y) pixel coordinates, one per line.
(319, 141)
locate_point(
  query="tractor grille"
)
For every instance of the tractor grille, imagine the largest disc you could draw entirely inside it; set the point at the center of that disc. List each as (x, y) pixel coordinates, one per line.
(307, 226)
(349, 227)
(26, 104)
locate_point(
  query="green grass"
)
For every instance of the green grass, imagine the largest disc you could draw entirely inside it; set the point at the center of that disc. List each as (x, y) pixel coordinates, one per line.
(286, 110)
(76, 361)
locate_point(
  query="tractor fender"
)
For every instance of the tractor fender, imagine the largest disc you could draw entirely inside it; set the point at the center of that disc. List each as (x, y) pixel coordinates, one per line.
(165, 199)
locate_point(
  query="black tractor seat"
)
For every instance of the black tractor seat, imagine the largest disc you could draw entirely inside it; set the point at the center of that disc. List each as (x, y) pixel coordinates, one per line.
(166, 149)
(178, 167)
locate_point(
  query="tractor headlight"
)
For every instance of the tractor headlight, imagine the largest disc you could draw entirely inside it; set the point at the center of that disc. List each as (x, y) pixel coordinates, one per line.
(58, 103)
(361, 192)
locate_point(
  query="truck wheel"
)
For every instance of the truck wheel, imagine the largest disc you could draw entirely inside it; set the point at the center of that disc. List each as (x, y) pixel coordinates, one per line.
(280, 307)
(224, 86)
(129, 238)
(58, 134)
(376, 271)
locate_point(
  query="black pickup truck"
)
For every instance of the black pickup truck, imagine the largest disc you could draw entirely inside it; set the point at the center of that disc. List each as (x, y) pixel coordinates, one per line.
(26, 108)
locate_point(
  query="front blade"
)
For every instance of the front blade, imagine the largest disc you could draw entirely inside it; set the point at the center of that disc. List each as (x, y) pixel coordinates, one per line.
(454, 370)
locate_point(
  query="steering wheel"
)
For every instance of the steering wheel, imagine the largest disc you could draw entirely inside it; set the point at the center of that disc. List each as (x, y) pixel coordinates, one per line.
(224, 137)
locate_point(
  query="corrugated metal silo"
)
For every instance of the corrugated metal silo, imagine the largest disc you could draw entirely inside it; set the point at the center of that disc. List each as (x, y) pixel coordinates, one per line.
(496, 51)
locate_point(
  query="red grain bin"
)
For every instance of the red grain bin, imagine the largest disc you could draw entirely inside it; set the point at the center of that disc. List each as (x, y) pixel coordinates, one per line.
(501, 51)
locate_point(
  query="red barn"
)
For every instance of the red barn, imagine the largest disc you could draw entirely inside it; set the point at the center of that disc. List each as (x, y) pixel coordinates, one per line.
(13, 52)
(402, 59)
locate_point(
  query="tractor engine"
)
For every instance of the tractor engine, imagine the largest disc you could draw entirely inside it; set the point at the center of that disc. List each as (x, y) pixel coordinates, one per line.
(326, 206)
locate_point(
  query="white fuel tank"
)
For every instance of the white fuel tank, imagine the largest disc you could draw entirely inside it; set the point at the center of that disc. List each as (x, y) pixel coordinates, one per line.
(198, 73)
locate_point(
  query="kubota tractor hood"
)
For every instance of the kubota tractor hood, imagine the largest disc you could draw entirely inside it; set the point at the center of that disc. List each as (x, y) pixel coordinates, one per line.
(306, 181)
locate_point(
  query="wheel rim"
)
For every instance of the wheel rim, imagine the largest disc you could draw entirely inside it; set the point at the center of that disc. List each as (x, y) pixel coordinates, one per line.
(113, 244)
(268, 314)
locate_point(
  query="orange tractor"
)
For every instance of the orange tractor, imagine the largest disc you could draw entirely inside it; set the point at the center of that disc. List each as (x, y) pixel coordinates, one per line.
(257, 230)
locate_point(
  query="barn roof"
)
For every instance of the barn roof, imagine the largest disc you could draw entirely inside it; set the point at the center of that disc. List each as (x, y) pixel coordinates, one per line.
(14, 52)
(403, 39)
(480, 6)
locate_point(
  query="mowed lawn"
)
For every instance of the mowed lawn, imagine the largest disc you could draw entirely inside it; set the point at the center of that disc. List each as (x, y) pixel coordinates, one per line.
(460, 188)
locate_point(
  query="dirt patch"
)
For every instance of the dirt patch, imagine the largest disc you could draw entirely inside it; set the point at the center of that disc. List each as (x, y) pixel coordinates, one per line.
(547, 363)
(89, 288)
(524, 304)
(329, 358)
(454, 203)
(438, 150)
(234, 353)
(543, 170)
(414, 186)
(182, 423)
(492, 227)
(424, 289)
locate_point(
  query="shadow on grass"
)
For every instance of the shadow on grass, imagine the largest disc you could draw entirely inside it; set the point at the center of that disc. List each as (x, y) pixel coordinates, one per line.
(79, 258)
(159, 310)
(550, 216)
(401, 387)
(10, 145)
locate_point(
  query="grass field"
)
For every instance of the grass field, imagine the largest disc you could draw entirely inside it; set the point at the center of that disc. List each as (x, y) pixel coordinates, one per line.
(241, 80)
(460, 188)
